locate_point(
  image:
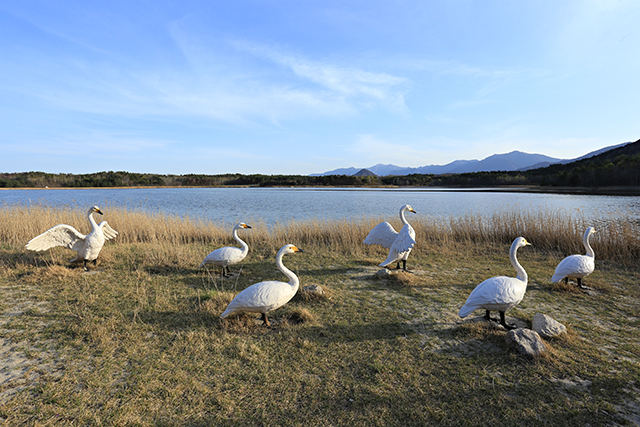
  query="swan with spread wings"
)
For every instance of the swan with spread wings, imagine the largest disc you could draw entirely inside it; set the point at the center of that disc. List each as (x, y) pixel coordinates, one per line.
(87, 247)
(398, 243)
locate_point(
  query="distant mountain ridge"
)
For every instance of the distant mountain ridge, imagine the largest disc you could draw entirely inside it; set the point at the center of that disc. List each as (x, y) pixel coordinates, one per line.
(512, 161)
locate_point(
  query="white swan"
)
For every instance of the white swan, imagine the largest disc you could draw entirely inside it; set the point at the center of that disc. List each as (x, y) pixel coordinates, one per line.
(269, 295)
(228, 255)
(399, 244)
(577, 266)
(499, 293)
(88, 247)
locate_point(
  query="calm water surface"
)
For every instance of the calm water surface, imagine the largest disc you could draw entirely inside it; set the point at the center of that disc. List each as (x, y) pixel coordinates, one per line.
(281, 205)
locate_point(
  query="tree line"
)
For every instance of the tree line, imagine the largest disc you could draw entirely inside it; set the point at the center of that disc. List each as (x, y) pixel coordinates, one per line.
(617, 167)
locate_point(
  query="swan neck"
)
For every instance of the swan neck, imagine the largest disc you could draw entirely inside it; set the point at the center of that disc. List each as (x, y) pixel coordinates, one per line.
(245, 247)
(92, 221)
(402, 218)
(521, 273)
(587, 246)
(293, 279)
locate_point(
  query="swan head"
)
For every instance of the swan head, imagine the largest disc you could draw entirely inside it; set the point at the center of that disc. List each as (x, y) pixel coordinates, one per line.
(95, 209)
(520, 242)
(290, 249)
(241, 225)
(408, 208)
(589, 231)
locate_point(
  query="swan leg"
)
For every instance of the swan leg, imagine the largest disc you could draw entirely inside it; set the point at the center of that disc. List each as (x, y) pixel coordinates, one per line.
(505, 324)
(84, 265)
(487, 316)
(404, 266)
(265, 320)
(580, 285)
(566, 280)
(397, 266)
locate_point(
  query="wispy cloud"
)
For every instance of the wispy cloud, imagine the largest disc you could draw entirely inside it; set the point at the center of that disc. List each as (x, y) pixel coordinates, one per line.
(360, 85)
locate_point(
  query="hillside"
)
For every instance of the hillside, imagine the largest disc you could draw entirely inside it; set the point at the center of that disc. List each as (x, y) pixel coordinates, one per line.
(619, 166)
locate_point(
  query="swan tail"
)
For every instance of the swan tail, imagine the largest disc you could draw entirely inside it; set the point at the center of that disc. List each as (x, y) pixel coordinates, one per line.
(557, 277)
(466, 310)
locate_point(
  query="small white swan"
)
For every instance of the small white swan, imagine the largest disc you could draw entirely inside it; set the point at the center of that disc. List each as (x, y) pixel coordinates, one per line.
(88, 247)
(577, 266)
(228, 255)
(399, 244)
(499, 293)
(269, 295)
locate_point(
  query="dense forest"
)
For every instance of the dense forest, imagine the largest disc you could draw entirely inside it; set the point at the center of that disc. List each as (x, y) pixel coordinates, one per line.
(619, 167)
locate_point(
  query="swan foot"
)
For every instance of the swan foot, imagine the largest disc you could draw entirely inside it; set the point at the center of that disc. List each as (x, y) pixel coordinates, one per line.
(404, 266)
(506, 325)
(580, 285)
(265, 320)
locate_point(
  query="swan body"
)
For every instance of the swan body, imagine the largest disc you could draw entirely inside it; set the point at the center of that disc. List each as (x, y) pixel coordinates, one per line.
(228, 255)
(577, 266)
(269, 295)
(398, 243)
(500, 293)
(87, 247)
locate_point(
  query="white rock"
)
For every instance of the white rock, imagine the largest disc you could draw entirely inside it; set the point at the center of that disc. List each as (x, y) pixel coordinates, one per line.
(546, 326)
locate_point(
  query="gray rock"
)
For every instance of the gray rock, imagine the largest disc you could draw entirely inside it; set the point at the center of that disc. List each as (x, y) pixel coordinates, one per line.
(526, 342)
(383, 274)
(546, 326)
(314, 289)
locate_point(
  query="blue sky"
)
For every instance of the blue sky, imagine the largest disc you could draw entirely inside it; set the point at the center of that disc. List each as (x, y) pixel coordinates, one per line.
(299, 87)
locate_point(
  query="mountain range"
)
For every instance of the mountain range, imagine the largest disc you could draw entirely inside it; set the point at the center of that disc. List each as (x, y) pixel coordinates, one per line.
(515, 160)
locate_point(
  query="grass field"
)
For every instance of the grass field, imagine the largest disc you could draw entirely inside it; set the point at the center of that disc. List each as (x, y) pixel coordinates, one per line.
(138, 340)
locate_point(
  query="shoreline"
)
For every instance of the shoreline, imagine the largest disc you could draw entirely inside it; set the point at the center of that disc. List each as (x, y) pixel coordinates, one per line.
(597, 191)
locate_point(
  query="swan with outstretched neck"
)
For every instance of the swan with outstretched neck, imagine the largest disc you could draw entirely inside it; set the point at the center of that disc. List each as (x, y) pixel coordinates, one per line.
(577, 266)
(269, 295)
(87, 247)
(500, 293)
(398, 243)
(228, 255)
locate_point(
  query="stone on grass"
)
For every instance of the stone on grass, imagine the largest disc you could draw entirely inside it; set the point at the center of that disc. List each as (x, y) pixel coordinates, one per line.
(314, 289)
(383, 274)
(546, 326)
(525, 342)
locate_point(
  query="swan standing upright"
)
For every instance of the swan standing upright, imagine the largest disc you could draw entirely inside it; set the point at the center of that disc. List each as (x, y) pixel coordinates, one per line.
(499, 293)
(88, 247)
(577, 266)
(398, 243)
(228, 255)
(269, 295)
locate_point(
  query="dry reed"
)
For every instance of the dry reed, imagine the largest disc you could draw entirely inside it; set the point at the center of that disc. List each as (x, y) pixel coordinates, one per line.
(546, 230)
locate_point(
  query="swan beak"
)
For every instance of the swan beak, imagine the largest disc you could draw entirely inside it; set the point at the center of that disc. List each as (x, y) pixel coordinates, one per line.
(411, 210)
(296, 249)
(526, 243)
(98, 211)
(246, 226)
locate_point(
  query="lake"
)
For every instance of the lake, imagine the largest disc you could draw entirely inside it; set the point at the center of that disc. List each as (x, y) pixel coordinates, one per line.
(281, 205)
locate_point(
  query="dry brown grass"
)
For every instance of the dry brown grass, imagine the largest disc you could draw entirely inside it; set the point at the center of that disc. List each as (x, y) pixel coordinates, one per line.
(546, 230)
(139, 340)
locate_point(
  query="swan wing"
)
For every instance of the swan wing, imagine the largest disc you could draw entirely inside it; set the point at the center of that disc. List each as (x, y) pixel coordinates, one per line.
(382, 234)
(495, 293)
(109, 233)
(260, 297)
(224, 256)
(573, 266)
(60, 235)
(405, 239)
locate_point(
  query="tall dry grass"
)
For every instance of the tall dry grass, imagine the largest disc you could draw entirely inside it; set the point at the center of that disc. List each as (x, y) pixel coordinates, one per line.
(547, 230)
